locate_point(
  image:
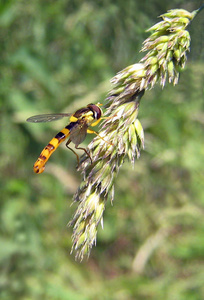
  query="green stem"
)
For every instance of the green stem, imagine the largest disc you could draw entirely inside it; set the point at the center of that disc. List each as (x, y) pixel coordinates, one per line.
(195, 12)
(202, 6)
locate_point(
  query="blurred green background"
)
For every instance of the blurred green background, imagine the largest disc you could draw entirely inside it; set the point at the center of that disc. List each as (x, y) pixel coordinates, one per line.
(57, 56)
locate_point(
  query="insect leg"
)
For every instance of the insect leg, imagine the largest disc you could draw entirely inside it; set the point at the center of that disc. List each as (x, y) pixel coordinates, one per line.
(85, 152)
(99, 120)
(80, 148)
(67, 145)
(96, 133)
(96, 122)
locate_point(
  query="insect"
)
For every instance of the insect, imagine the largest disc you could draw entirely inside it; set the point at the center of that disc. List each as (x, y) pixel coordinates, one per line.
(76, 131)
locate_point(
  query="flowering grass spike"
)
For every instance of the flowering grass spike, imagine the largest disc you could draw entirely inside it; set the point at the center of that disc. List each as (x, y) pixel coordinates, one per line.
(166, 53)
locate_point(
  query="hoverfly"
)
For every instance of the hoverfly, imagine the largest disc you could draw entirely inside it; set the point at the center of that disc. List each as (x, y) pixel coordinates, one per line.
(76, 131)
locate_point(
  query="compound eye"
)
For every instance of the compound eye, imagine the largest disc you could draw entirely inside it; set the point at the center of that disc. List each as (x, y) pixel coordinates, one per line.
(96, 111)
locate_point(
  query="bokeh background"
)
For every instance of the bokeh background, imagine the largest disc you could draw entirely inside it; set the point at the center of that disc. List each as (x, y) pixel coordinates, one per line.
(57, 56)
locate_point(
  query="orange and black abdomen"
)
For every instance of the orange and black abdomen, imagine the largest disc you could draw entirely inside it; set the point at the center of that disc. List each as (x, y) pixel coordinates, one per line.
(39, 165)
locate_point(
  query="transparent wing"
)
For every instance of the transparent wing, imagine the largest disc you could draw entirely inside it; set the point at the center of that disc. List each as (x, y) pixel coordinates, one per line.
(47, 117)
(78, 133)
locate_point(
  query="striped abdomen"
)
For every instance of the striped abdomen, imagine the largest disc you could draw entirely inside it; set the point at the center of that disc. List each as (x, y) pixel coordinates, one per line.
(39, 165)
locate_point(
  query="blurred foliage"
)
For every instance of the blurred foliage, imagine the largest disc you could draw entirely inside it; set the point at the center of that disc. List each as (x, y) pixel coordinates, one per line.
(58, 56)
